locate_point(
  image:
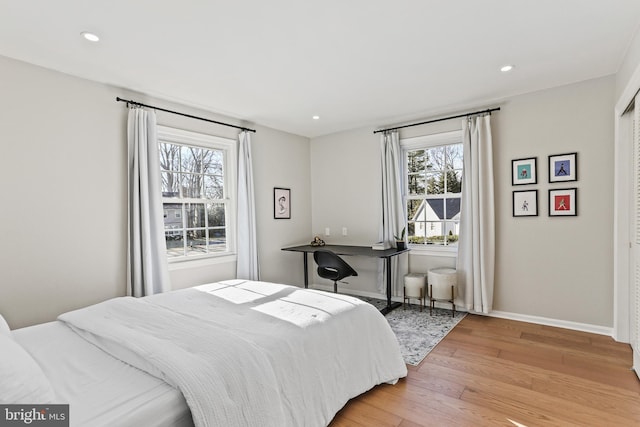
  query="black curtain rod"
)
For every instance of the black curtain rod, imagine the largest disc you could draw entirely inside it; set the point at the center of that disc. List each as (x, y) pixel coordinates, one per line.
(439, 120)
(128, 101)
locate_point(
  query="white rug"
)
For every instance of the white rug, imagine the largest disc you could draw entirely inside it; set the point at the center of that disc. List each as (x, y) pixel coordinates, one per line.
(418, 332)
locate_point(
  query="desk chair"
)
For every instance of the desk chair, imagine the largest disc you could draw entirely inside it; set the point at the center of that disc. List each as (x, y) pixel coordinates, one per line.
(332, 267)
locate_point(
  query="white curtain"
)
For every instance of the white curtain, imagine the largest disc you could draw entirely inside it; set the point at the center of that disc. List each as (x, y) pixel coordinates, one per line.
(147, 268)
(476, 247)
(247, 264)
(393, 216)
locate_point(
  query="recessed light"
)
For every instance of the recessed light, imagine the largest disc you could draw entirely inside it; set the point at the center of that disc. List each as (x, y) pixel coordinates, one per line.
(90, 36)
(316, 117)
(506, 68)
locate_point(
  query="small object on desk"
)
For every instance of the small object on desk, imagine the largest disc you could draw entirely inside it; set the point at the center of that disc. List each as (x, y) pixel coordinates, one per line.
(380, 246)
(317, 241)
(400, 243)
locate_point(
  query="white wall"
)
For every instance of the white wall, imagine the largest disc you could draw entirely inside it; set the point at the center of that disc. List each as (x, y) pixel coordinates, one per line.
(629, 64)
(63, 221)
(345, 177)
(556, 268)
(561, 267)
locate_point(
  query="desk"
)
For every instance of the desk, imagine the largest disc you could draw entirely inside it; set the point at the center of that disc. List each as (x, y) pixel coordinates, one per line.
(353, 251)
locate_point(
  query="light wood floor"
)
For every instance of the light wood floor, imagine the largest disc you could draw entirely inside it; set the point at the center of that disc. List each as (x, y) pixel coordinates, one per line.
(496, 372)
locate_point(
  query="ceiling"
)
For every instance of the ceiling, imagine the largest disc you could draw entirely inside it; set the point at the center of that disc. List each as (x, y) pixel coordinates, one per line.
(354, 63)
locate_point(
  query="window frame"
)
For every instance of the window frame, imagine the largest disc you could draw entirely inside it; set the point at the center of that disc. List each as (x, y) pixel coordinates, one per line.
(426, 142)
(166, 134)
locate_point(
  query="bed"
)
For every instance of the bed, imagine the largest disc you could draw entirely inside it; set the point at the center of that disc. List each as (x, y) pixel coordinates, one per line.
(231, 353)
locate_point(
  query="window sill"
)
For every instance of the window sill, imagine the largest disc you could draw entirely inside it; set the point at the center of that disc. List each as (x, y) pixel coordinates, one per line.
(428, 250)
(203, 261)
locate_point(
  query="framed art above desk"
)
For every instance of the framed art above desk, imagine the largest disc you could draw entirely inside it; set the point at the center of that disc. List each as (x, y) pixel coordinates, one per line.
(347, 250)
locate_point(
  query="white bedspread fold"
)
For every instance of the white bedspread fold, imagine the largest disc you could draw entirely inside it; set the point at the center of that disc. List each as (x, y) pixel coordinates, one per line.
(249, 353)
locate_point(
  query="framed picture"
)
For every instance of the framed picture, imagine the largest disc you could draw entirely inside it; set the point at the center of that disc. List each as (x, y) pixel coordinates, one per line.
(524, 171)
(563, 167)
(525, 203)
(281, 203)
(563, 202)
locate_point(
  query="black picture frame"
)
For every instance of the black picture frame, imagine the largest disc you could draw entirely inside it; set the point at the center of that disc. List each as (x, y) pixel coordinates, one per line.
(281, 203)
(524, 171)
(525, 203)
(563, 202)
(563, 167)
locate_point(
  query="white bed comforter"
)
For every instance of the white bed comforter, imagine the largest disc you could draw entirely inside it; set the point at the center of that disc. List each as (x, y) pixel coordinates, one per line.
(250, 353)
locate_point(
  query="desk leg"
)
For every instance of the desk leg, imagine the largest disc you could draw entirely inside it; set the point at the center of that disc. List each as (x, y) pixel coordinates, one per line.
(390, 305)
(306, 270)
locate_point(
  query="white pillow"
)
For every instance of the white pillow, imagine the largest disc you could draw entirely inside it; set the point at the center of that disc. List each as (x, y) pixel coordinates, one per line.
(4, 327)
(22, 379)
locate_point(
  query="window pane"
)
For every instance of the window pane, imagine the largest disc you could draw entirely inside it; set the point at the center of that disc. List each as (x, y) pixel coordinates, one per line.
(213, 187)
(415, 161)
(196, 242)
(453, 208)
(191, 185)
(452, 229)
(454, 156)
(170, 185)
(415, 211)
(216, 214)
(172, 216)
(435, 183)
(212, 162)
(169, 157)
(416, 183)
(434, 232)
(454, 181)
(416, 234)
(217, 240)
(191, 159)
(175, 247)
(435, 159)
(195, 215)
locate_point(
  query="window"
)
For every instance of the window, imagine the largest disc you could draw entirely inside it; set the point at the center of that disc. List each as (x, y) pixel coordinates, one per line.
(433, 183)
(198, 193)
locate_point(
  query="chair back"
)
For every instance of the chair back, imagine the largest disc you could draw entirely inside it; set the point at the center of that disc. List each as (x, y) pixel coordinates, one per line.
(331, 266)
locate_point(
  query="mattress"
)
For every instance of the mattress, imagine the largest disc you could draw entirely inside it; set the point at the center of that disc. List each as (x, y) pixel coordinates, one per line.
(100, 389)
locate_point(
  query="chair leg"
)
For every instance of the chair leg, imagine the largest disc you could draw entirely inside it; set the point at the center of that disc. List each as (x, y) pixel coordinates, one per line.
(335, 287)
(430, 300)
(404, 297)
(453, 304)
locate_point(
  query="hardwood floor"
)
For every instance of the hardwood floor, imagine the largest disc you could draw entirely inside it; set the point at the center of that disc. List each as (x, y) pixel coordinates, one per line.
(496, 372)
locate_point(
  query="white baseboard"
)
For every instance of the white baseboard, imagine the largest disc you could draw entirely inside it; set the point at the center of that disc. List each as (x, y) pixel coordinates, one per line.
(583, 327)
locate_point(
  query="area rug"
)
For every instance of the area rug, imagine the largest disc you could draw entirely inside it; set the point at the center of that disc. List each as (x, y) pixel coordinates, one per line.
(418, 332)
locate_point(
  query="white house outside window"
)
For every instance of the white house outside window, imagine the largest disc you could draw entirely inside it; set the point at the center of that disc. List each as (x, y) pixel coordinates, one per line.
(432, 189)
(198, 193)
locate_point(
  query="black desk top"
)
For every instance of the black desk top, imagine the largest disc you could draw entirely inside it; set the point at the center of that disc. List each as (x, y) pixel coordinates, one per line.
(349, 250)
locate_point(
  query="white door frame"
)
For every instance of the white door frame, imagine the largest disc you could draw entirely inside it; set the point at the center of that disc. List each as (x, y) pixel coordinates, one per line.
(623, 187)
